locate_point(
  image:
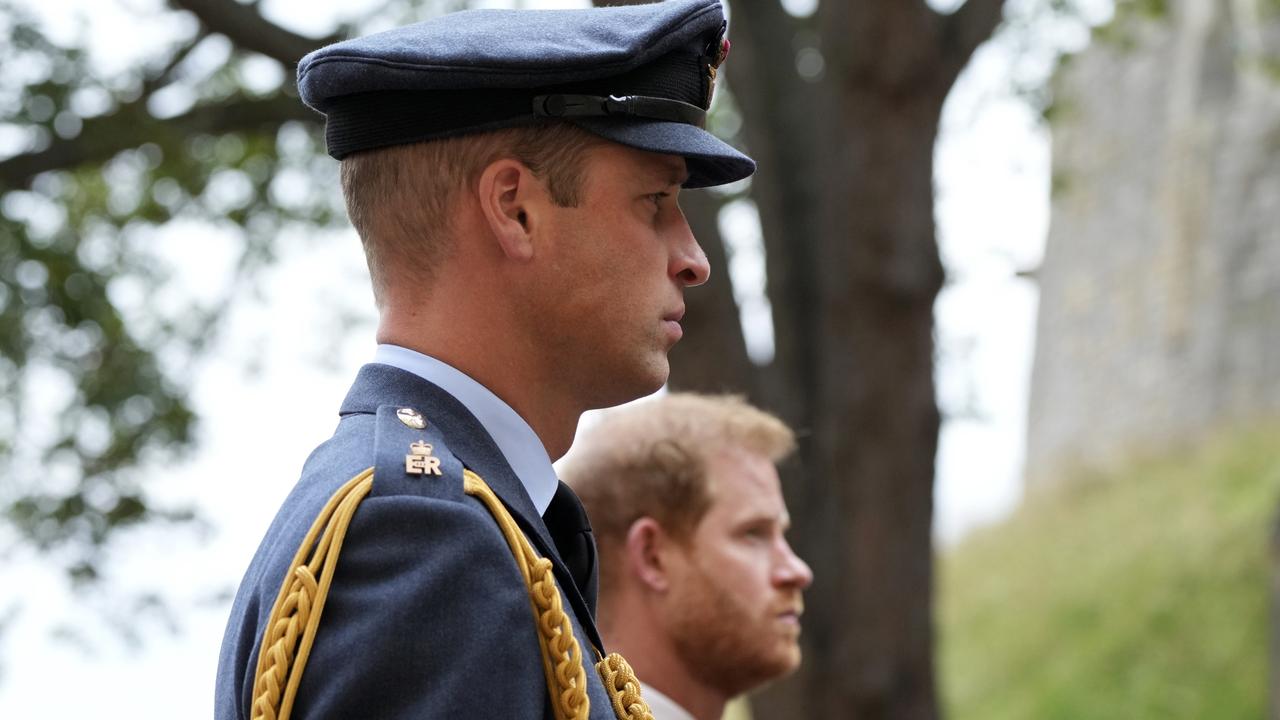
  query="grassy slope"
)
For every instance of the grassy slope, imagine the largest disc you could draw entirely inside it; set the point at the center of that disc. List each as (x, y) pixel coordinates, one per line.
(1139, 597)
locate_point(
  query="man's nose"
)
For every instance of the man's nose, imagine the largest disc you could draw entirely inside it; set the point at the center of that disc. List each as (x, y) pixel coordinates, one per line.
(792, 571)
(688, 262)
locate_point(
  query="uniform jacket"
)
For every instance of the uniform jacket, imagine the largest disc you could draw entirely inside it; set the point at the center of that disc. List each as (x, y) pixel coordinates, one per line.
(427, 616)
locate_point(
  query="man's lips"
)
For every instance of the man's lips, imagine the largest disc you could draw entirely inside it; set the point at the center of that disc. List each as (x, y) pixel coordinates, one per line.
(672, 322)
(791, 614)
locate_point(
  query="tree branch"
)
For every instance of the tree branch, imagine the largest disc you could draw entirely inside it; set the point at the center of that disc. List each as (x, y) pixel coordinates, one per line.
(162, 77)
(131, 125)
(966, 29)
(248, 30)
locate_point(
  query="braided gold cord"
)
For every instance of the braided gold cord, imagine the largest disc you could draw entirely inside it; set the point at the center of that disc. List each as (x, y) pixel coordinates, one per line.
(561, 654)
(291, 628)
(295, 616)
(623, 687)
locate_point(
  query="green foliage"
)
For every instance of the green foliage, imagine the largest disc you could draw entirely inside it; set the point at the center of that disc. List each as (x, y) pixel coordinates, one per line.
(1270, 67)
(1142, 595)
(1119, 33)
(1269, 56)
(1059, 183)
(1151, 9)
(96, 343)
(1059, 106)
(1044, 36)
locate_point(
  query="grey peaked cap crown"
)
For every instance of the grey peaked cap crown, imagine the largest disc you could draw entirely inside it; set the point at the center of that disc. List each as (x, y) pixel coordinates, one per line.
(638, 75)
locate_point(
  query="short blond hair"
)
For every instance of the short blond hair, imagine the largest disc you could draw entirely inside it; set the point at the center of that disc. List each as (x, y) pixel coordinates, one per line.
(650, 460)
(399, 197)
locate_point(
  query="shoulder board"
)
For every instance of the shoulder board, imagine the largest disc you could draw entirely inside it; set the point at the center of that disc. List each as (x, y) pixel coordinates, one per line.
(411, 456)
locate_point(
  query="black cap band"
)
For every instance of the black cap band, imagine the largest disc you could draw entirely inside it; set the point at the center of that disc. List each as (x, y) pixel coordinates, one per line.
(638, 106)
(669, 89)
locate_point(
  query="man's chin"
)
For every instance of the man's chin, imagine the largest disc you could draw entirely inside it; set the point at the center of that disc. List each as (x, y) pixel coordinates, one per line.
(793, 660)
(644, 380)
(622, 393)
(766, 671)
(785, 660)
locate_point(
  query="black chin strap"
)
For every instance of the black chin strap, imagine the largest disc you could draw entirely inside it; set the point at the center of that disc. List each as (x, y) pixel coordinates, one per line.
(642, 106)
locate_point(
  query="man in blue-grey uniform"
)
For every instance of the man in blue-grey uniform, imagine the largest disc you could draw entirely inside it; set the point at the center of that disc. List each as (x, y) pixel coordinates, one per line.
(513, 176)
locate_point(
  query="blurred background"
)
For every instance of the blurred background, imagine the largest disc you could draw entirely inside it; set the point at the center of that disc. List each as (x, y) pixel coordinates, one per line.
(1012, 268)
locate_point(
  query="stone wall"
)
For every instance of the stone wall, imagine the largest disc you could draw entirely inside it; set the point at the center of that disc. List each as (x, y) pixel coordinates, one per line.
(1159, 314)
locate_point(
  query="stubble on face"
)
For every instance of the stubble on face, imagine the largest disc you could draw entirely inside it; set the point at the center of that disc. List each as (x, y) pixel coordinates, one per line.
(736, 588)
(723, 640)
(601, 309)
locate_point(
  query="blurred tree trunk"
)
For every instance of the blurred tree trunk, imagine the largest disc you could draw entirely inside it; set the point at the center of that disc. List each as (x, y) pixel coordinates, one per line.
(845, 194)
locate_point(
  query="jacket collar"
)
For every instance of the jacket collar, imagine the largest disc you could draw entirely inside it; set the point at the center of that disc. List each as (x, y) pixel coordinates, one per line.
(377, 385)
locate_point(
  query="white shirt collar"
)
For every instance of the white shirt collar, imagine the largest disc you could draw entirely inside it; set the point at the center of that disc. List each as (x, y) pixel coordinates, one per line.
(661, 706)
(518, 443)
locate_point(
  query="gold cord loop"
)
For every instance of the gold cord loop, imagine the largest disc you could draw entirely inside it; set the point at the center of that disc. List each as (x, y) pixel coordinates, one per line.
(291, 629)
(561, 654)
(623, 687)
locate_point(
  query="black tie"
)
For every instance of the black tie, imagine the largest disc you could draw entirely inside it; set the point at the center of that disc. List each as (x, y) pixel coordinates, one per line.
(566, 519)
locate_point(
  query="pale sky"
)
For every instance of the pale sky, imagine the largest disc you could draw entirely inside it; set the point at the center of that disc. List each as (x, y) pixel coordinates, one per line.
(257, 427)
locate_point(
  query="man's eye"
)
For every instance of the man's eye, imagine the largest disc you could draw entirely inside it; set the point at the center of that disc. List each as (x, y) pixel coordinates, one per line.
(658, 197)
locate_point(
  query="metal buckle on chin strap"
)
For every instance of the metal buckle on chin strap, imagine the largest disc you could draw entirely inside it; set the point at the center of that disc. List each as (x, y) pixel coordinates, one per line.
(641, 106)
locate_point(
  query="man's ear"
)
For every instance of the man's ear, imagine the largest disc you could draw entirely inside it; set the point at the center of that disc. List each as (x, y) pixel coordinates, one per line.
(646, 548)
(509, 195)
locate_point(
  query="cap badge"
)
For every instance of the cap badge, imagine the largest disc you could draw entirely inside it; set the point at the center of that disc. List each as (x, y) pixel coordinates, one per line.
(713, 65)
(412, 418)
(420, 461)
(722, 53)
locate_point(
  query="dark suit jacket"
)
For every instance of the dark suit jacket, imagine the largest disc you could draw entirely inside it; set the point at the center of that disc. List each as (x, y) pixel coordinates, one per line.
(427, 616)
